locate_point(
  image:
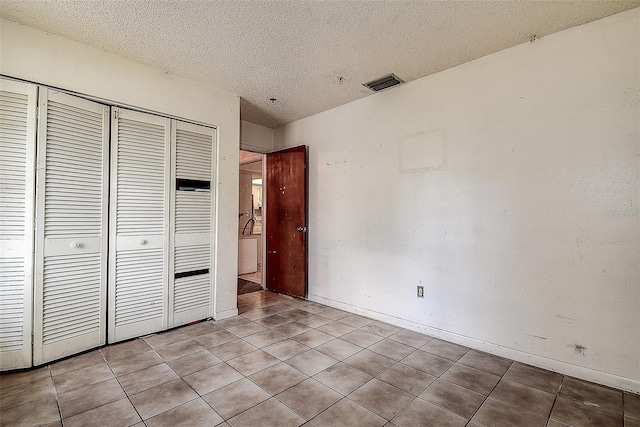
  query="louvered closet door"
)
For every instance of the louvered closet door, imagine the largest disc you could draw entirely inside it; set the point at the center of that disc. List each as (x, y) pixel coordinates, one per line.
(71, 244)
(191, 289)
(138, 284)
(17, 199)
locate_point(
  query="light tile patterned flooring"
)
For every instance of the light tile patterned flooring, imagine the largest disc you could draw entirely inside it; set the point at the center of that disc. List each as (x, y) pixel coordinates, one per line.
(285, 362)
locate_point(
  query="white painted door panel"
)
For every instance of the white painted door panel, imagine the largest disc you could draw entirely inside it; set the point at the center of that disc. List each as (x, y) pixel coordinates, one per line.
(18, 102)
(191, 274)
(139, 232)
(71, 244)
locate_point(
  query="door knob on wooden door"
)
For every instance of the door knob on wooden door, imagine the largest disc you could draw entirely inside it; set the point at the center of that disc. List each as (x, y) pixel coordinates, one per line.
(301, 229)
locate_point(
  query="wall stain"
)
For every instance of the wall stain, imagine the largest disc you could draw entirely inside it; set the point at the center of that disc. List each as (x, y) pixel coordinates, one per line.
(579, 349)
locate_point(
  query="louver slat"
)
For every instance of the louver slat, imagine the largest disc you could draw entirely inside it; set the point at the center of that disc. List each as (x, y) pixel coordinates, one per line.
(73, 309)
(71, 297)
(11, 304)
(12, 164)
(73, 186)
(17, 165)
(192, 292)
(191, 258)
(193, 212)
(140, 215)
(141, 158)
(139, 292)
(193, 155)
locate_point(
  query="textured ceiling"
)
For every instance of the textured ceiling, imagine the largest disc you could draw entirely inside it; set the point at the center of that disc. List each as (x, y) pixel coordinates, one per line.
(296, 51)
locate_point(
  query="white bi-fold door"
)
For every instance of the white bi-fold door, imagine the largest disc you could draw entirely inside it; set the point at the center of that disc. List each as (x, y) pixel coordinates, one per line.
(71, 231)
(150, 235)
(191, 260)
(139, 224)
(161, 223)
(17, 171)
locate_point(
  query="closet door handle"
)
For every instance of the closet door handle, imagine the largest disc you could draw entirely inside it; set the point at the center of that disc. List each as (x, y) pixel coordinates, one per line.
(142, 242)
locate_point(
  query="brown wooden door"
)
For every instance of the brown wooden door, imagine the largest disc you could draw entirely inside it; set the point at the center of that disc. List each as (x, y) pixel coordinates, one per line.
(286, 221)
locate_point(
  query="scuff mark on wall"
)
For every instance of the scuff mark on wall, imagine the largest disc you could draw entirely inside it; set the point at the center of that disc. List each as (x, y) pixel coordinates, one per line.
(579, 349)
(537, 336)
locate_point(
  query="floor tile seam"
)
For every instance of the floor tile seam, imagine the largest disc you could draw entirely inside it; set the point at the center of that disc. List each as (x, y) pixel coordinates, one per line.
(34, 402)
(25, 371)
(129, 355)
(275, 396)
(128, 396)
(112, 345)
(55, 393)
(344, 398)
(430, 403)
(584, 402)
(555, 393)
(123, 390)
(282, 391)
(475, 369)
(406, 391)
(182, 404)
(409, 345)
(244, 410)
(445, 357)
(486, 397)
(478, 369)
(547, 418)
(413, 397)
(53, 386)
(380, 415)
(350, 356)
(337, 391)
(97, 349)
(85, 385)
(567, 377)
(590, 407)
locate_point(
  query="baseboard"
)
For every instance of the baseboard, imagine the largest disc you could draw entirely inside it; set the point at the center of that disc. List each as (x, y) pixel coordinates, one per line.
(225, 314)
(564, 368)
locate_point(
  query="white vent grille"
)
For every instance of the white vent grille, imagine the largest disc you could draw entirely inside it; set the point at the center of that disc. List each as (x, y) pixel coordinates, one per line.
(383, 83)
(193, 155)
(192, 292)
(11, 304)
(13, 134)
(140, 283)
(73, 187)
(192, 258)
(193, 211)
(141, 186)
(71, 304)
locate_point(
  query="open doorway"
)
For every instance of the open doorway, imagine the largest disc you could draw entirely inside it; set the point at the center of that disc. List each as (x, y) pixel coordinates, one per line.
(272, 222)
(250, 223)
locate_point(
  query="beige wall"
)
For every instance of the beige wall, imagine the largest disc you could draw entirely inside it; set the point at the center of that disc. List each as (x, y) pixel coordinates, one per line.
(509, 187)
(36, 56)
(255, 138)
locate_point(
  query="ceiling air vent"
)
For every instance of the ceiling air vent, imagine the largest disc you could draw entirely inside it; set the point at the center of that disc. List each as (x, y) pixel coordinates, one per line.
(383, 83)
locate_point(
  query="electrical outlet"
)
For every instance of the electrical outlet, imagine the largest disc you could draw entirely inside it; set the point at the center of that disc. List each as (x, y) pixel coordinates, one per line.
(420, 291)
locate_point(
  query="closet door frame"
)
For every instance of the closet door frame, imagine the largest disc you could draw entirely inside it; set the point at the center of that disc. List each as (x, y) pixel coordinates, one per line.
(22, 358)
(40, 354)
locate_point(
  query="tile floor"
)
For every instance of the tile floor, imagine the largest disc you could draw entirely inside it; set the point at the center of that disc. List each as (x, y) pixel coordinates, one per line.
(285, 362)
